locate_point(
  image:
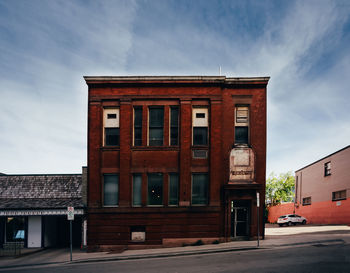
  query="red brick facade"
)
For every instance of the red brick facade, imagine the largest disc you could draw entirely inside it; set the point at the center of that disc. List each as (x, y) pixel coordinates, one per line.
(112, 226)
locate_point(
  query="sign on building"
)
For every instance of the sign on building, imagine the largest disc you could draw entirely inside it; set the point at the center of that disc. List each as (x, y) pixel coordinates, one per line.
(242, 162)
(70, 213)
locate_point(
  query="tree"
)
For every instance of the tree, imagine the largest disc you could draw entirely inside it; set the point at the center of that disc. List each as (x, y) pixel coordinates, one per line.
(280, 188)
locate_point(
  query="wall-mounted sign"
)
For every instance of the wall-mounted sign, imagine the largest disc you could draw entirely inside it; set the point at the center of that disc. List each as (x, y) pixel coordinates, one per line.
(242, 161)
(138, 236)
(70, 213)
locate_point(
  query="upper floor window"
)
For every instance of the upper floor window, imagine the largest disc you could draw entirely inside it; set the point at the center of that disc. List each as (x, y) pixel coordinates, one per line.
(242, 125)
(110, 189)
(338, 195)
(174, 126)
(327, 168)
(111, 127)
(156, 124)
(137, 126)
(200, 124)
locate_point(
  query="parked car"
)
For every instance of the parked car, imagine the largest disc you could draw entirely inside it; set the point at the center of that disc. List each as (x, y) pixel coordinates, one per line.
(291, 219)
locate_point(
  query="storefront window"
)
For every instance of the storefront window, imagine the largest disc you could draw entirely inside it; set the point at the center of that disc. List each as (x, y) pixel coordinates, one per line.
(15, 229)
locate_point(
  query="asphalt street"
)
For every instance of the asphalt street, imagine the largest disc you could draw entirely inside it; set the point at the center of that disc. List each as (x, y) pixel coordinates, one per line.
(289, 249)
(329, 257)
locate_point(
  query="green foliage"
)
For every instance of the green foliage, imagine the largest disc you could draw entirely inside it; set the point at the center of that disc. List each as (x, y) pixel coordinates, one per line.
(280, 188)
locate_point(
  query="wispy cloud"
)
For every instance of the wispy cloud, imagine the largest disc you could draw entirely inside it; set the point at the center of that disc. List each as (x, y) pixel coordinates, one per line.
(49, 45)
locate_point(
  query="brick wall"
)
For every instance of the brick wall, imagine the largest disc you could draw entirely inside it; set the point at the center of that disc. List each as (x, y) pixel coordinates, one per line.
(111, 226)
(323, 213)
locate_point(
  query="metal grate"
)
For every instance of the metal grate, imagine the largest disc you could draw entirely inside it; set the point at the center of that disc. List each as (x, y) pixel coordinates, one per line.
(200, 153)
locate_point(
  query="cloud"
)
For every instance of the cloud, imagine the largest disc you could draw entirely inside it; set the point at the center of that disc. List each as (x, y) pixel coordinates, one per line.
(302, 45)
(44, 55)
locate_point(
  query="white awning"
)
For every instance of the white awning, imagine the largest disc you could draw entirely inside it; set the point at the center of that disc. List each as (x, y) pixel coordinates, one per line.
(39, 212)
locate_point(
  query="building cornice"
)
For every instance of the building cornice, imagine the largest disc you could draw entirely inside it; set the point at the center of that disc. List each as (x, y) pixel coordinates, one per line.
(175, 79)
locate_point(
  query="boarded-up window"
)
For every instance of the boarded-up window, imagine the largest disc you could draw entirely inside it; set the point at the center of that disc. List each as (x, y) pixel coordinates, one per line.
(111, 127)
(200, 124)
(241, 124)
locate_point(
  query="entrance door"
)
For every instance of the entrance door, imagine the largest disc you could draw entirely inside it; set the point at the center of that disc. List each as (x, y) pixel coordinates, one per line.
(239, 222)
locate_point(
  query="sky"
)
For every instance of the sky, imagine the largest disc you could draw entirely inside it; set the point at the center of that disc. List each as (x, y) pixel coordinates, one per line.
(46, 47)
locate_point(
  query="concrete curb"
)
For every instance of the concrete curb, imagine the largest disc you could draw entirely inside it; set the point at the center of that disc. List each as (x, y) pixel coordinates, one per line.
(164, 255)
(137, 256)
(202, 251)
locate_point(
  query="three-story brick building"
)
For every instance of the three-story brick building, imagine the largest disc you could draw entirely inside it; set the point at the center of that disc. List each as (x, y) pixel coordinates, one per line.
(175, 159)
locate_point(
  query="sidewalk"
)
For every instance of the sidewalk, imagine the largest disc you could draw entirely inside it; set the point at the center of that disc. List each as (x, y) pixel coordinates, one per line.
(275, 237)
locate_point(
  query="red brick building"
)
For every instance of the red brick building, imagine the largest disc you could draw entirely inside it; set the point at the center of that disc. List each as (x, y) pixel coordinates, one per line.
(173, 160)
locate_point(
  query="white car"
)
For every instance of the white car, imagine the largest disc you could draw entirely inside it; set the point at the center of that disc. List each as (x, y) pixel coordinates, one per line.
(290, 219)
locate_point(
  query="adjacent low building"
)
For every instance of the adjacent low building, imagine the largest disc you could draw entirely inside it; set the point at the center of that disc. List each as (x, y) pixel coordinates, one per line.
(322, 189)
(175, 159)
(33, 210)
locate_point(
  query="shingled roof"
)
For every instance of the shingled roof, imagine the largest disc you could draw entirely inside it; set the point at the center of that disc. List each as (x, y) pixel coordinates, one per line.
(40, 191)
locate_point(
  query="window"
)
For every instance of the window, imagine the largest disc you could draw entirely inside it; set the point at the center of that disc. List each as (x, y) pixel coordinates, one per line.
(137, 190)
(200, 189)
(338, 195)
(15, 229)
(174, 126)
(296, 189)
(112, 136)
(110, 189)
(241, 124)
(327, 168)
(111, 127)
(137, 126)
(200, 136)
(306, 201)
(200, 126)
(155, 189)
(156, 122)
(173, 189)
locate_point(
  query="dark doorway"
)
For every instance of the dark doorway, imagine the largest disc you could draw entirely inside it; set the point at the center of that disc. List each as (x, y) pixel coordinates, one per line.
(63, 235)
(56, 231)
(2, 230)
(240, 215)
